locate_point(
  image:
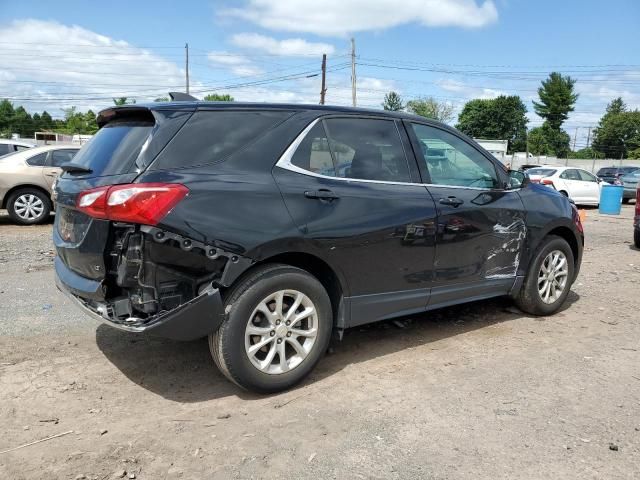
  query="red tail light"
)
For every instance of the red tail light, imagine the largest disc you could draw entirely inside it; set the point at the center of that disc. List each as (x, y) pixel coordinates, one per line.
(145, 203)
(546, 181)
(576, 218)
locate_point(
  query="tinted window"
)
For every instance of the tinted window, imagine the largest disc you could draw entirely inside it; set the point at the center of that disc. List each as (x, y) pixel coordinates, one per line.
(542, 172)
(60, 157)
(570, 174)
(452, 161)
(19, 148)
(313, 153)
(586, 176)
(115, 147)
(5, 148)
(607, 171)
(212, 136)
(38, 160)
(367, 149)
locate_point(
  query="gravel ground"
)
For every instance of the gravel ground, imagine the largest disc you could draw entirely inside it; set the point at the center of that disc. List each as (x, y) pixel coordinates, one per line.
(478, 391)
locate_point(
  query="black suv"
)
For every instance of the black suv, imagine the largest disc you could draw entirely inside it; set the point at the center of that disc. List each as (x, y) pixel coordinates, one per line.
(613, 174)
(268, 227)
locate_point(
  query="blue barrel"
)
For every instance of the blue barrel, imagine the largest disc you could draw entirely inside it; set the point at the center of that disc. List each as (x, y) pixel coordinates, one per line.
(611, 199)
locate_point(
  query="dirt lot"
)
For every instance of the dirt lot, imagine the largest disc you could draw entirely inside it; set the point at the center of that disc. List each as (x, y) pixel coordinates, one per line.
(477, 391)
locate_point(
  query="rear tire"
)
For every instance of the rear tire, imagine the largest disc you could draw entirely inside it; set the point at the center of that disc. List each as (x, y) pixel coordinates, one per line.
(29, 206)
(261, 328)
(636, 238)
(549, 278)
(625, 200)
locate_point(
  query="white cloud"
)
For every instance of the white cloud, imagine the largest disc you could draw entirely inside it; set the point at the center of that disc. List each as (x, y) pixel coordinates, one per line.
(238, 64)
(53, 66)
(288, 47)
(341, 17)
(467, 91)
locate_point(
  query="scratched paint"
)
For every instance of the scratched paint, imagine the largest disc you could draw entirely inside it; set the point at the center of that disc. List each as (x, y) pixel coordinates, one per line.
(503, 261)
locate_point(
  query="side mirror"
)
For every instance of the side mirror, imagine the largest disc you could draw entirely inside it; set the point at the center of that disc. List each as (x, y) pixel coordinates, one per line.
(518, 179)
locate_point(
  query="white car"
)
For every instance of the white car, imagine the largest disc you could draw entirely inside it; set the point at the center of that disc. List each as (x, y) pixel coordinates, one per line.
(579, 185)
(8, 146)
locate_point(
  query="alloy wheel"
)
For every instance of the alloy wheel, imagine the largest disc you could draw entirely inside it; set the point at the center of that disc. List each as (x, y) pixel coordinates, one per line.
(553, 276)
(281, 332)
(28, 207)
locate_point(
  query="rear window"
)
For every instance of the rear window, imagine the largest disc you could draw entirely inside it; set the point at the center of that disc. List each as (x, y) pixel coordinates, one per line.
(212, 135)
(115, 147)
(542, 172)
(607, 171)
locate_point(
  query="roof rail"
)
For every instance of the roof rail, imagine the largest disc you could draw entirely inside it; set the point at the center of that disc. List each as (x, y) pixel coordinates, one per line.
(182, 97)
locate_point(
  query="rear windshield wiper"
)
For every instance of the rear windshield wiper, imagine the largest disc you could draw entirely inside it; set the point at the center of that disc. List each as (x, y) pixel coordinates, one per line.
(73, 168)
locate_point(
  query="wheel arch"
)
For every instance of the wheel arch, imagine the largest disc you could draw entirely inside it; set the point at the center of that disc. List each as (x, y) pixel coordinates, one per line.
(24, 186)
(329, 278)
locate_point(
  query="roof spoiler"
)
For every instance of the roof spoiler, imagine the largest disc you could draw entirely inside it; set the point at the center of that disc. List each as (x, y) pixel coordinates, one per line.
(182, 97)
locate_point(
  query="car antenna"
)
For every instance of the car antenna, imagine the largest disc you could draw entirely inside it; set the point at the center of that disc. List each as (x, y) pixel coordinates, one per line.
(182, 97)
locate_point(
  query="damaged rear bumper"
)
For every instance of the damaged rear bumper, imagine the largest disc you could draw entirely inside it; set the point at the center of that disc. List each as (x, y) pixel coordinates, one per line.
(191, 320)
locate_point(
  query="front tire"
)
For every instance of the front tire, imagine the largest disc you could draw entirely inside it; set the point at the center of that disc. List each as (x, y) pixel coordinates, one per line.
(278, 326)
(29, 206)
(636, 238)
(549, 278)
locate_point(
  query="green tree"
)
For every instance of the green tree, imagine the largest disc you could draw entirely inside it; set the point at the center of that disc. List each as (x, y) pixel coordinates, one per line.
(617, 133)
(123, 101)
(500, 118)
(429, 107)
(6, 118)
(46, 122)
(557, 99)
(587, 152)
(218, 97)
(22, 123)
(545, 140)
(90, 124)
(393, 102)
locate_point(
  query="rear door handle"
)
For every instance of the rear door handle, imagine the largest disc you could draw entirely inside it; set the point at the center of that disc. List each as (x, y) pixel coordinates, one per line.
(453, 201)
(322, 194)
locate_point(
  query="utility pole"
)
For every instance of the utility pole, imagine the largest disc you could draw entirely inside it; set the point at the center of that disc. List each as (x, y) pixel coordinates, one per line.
(186, 67)
(588, 136)
(353, 72)
(323, 89)
(575, 137)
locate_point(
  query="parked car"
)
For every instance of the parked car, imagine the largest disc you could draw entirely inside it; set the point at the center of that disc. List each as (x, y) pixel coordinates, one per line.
(612, 174)
(579, 185)
(26, 178)
(8, 146)
(193, 219)
(630, 182)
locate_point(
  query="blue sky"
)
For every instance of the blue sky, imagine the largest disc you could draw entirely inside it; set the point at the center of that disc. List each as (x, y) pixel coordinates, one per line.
(82, 53)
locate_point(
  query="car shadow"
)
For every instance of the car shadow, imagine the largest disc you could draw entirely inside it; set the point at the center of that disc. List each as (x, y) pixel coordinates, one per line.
(5, 219)
(185, 372)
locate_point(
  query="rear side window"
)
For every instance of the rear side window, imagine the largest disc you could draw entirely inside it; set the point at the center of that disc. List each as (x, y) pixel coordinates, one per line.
(212, 136)
(313, 153)
(60, 157)
(115, 147)
(357, 148)
(38, 160)
(570, 175)
(5, 148)
(367, 149)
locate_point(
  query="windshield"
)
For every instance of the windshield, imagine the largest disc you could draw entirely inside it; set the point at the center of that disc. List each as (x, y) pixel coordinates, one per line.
(114, 149)
(541, 172)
